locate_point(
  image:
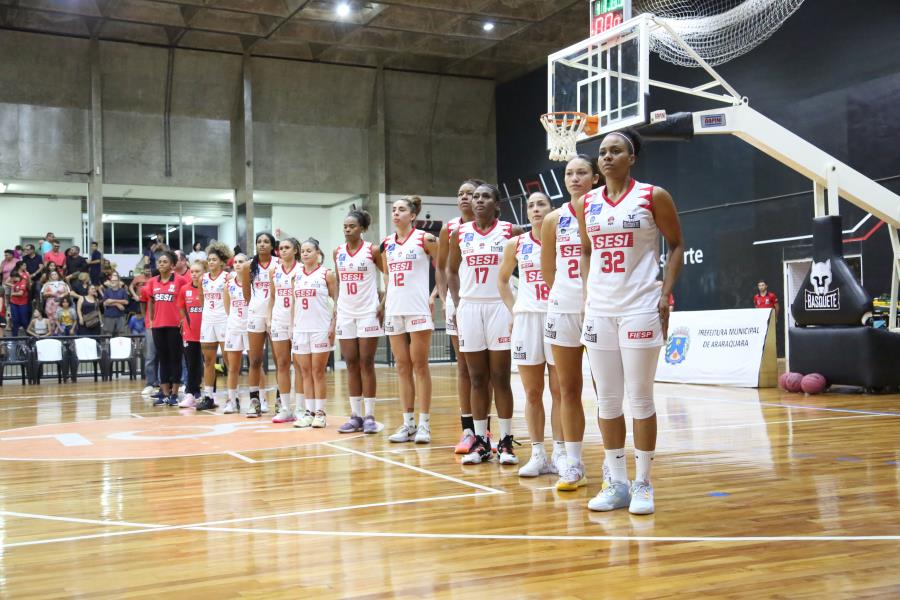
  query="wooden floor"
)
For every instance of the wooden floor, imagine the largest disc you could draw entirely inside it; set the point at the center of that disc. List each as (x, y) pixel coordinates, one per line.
(758, 494)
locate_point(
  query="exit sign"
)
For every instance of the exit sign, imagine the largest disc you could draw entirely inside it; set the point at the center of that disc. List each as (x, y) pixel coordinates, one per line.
(606, 14)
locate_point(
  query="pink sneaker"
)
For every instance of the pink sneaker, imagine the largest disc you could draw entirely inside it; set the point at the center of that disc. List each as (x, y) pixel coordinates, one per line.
(188, 401)
(465, 442)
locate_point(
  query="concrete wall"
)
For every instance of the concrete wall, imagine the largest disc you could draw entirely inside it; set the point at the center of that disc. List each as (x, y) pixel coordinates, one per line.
(34, 217)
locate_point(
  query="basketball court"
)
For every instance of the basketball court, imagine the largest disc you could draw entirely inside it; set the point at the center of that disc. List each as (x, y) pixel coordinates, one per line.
(760, 492)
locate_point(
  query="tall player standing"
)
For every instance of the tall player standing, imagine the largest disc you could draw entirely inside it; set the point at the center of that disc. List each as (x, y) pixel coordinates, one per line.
(359, 318)
(212, 328)
(530, 350)
(483, 322)
(236, 289)
(627, 310)
(257, 277)
(562, 272)
(281, 319)
(407, 255)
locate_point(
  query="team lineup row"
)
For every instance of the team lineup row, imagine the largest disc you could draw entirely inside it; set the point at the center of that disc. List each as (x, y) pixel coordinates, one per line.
(589, 281)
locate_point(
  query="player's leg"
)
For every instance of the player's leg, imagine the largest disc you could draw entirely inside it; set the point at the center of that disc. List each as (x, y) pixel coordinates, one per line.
(350, 351)
(568, 368)
(464, 390)
(281, 349)
(532, 377)
(407, 387)
(367, 348)
(318, 364)
(255, 376)
(208, 345)
(419, 347)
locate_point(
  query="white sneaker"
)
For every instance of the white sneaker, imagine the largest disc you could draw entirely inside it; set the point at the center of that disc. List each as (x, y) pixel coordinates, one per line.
(423, 434)
(263, 404)
(188, 401)
(318, 421)
(558, 462)
(615, 495)
(537, 465)
(147, 390)
(571, 478)
(284, 416)
(641, 498)
(404, 433)
(305, 420)
(229, 408)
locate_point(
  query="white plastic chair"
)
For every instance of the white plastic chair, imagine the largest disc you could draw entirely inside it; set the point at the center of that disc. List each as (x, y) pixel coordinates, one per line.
(48, 351)
(121, 352)
(88, 350)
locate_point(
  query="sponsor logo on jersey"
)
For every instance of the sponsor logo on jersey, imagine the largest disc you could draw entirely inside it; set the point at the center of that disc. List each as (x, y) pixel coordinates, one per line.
(640, 335)
(611, 221)
(614, 240)
(403, 265)
(391, 247)
(534, 276)
(565, 222)
(476, 260)
(342, 257)
(213, 296)
(411, 254)
(570, 250)
(550, 329)
(163, 297)
(304, 293)
(497, 248)
(283, 292)
(527, 248)
(468, 237)
(631, 222)
(418, 321)
(372, 328)
(595, 209)
(195, 309)
(677, 346)
(238, 303)
(345, 276)
(503, 340)
(189, 293)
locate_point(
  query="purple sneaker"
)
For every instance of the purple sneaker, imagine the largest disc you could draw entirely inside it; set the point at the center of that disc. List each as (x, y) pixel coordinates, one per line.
(369, 425)
(352, 426)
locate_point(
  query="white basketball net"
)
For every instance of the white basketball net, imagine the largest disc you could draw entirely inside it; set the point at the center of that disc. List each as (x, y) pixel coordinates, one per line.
(562, 131)
(717, 30)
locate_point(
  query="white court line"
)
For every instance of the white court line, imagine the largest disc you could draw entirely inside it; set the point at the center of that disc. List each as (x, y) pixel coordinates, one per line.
(159, 528)
(791, 406)
(560, 538)
(240, 456)
(136, 416)
(10, 513)
(416, 469)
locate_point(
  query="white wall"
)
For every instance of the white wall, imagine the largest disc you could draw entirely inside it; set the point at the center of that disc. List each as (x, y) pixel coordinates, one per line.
(34, 217)
(325, 223)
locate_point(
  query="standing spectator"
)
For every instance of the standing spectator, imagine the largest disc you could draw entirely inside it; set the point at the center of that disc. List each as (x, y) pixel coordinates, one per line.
(2, 311)
(182, 267)
(95, 264)
(106, 271)
(66, 317)
(89, 312)
(197, 253)
(47, 243)
(80, 285)
(55, 256)
(115, 303)
(18, 252)
(75, 263)
(52, 292)
(19, 304)
(32, 261)
(151, 364)
(765, 298)
(6, 267)
(40, 326)
(155, 249)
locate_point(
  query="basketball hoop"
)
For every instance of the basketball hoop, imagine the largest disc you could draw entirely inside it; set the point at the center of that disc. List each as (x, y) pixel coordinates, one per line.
(563, 129)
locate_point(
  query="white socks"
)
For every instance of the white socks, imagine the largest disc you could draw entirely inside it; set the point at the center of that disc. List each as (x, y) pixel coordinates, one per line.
(409, 419)
(309, 404)
(481, 428)
(559, 447)
(643, 460)
(505, 427)
(299, 402)
(370, 407)
(425, 419)
(618, 469)
(207, 391)
(232, 395)
(356, 406)
(573, 451)
(537, 449)
(319, 404)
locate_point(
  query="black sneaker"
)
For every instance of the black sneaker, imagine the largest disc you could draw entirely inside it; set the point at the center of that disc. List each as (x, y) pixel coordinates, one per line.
(505, 451)
(206, 404)
(481, 452)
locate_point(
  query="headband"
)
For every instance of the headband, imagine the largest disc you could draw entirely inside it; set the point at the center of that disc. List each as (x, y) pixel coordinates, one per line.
(624, 137)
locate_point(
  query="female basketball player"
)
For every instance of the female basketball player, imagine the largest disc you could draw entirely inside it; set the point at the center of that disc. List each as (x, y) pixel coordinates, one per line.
(257, 277)
(212, 330)
(530, 351)
(463, 384)
(627, 311)
(358, 318)
(562, 273)
(407, 258)
(190, 306)
(235, 329)
(483, 322)
(315, 291)
(281, 319)
(164, 321)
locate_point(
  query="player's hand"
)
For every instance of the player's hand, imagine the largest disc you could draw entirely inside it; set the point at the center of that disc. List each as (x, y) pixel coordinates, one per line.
(431, 306)
(331, 336)
(664, 316)
(379, 314)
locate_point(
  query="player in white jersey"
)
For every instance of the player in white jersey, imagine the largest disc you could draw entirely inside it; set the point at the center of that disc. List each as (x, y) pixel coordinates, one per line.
(407, 256)
(627, 311)
(257, 277)
(359, 318)
(530, 350)
(212, 328)
(281, 319)
(562, 272)
(463, 384)
(483, 322)
(315, 292)
(236, 289)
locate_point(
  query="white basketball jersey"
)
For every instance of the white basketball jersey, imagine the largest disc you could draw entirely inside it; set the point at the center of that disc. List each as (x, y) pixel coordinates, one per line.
(357, 277)
(237, 315)
(482, 253)
(408, 271)
(313, 306)
(259, 288)
(214, 298)
(624, 253)
(282, 285)
(567, 294)
(533, 292)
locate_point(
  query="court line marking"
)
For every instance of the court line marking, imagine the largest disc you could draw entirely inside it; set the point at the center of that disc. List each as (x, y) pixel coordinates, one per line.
(147, 528)
(136, 416)
(72, 394)
(240, 456)
(557, 538)
(477, 486)
(796, 406)
(290, 458)
(10, 513)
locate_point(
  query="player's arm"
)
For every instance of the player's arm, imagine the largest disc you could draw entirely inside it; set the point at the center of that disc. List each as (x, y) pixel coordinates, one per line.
(245, 282)
(149, 310)
(440, 274)
(578, 209)
(506, 270)
(548, 241)
(334, 259)
(517, 230)
(666, 217)
(272, 294)
(227, 297)
(454, 260)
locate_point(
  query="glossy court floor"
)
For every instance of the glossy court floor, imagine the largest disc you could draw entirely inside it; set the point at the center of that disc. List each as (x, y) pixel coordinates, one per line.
(758, 494)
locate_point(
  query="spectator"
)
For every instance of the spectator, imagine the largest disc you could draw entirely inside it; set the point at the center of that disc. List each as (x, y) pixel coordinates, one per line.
(182, 267)
(66, 318)
(40, 326)
(55, 256)
(115, 303)
(75, 263)
(6, 267)
(106, 271)
(765, 298)
(18, 252)
(89, 312)
(47, 243)
(154, 250)
(52, 292)
(2, 311)
(19, 303)
(197, 254)
(95, 264)
(137, 282)
(230, 263)
(50, 267)
(80, 285)
(151, 364)
(33, 262)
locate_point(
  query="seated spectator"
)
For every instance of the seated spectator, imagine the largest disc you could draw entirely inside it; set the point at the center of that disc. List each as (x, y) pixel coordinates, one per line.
(136, 325)
(89, 316)
(115, 303)
(19, 303)
(66, 318)
(40, 326)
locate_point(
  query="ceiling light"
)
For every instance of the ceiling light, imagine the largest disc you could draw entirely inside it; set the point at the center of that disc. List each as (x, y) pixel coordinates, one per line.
(189, 220)
(488, 26)
(343, 10)
(3, 187)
